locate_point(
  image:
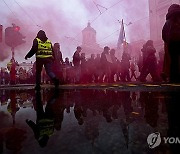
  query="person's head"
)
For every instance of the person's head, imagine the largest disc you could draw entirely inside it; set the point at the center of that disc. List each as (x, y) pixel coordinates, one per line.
(67, 59)
(56, 46)
(42, 35)
(92, 56)
(173, 11)
(173, 8)
(80, 121)
(106, 49)
(83, 55)
(112, 51)
(98, 56)
(149, 43)
(78, 48)
(57, 124)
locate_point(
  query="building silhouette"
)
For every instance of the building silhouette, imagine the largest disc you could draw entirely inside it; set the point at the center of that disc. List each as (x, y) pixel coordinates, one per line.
(89, 44)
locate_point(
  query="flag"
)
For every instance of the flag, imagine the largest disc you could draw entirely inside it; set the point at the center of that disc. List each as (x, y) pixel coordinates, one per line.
(121, 36)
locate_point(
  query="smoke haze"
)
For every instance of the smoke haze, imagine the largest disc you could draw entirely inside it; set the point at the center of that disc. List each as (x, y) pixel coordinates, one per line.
(64, 20)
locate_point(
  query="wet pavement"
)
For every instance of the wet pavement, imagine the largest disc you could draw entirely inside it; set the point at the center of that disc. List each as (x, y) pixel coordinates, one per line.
(87, 121)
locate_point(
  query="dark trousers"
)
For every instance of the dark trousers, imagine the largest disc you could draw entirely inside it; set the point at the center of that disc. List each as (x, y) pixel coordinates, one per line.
(47, 62)
(133, 74)
(174, 49)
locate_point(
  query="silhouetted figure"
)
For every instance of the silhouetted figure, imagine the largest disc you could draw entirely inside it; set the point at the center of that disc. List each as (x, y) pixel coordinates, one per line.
(22, 75)
(133, 70)
(125, 62)
(149, 62)
(67, 62)
(13, 73)
(43, 49)
(13, 105)
(140, 62)
(105, 64)
(58, 54)
(34, 72)
(78, 107)
(160, 64)
(84, 69)
(68, 70)
(151, 108)
(127, 104)
(171, 37)
(45, 121)
(76, 63)
(97, 62)
(58, 107)
(128, 109)
(58, 61)
(92, 129)
(105, 105)
(113, 65)
(91, 65)
(78, 113)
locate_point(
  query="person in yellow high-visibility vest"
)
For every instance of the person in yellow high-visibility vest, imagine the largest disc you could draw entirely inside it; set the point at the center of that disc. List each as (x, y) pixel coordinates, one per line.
(43, 49)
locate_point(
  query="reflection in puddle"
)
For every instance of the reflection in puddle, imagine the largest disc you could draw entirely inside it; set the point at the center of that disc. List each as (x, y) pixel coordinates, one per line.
(86, 121)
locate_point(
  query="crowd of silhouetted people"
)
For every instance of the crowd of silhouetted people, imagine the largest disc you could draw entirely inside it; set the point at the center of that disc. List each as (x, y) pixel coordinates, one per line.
(104, 67)
(99, 68)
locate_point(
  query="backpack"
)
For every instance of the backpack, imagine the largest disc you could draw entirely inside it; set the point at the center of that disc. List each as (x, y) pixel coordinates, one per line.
(174, 34)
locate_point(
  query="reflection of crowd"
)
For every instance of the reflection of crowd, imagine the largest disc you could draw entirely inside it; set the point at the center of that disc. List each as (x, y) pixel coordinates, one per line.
(111, 105)
(103, 102)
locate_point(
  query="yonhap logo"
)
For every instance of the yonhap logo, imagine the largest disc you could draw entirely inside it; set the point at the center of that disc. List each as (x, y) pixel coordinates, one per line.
(154, 140)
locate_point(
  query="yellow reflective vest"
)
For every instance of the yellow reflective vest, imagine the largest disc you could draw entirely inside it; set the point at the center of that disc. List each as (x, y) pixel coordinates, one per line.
(44, 49)
(46, 127)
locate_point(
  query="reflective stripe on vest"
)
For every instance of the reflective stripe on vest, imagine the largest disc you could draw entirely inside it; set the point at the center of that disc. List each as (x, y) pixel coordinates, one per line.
(44, 49)
(46, 127)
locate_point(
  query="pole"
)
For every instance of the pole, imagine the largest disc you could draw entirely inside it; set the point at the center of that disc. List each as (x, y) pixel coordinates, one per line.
(12, 49)
(124, 31)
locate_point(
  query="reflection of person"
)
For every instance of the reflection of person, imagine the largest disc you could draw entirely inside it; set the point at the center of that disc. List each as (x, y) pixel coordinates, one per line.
(44, 126)
(44, 56)
(13, 105)
(79, 108)
(172, 104)
(149, 103)
(14, 138)
(11, 137)
(78, 113)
